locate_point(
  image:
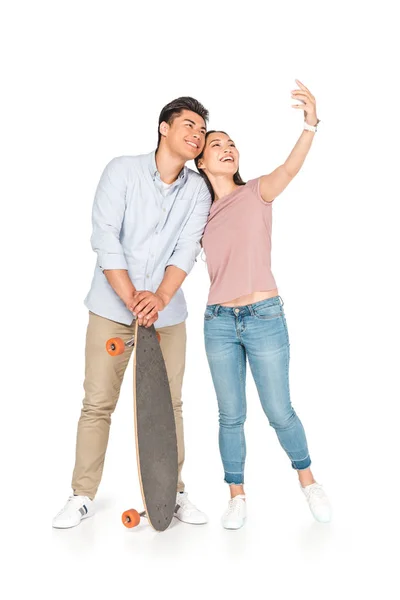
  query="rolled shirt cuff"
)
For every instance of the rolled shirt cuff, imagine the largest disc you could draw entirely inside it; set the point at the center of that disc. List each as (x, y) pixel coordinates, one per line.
(112, 261)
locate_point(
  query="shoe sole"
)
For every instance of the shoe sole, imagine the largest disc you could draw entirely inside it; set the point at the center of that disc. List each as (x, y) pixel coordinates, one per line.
(231, 528)
(190, 522)
(87, 516)
(323, 520)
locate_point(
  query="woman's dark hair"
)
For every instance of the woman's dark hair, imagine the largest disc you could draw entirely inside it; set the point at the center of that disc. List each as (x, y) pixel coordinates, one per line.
(236, 178)
(175, 108)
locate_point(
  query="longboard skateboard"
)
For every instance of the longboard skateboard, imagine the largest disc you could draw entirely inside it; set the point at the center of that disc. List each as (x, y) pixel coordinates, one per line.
(155, 432)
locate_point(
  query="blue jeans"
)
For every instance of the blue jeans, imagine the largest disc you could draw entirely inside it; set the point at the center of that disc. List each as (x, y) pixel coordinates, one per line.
(259, 332)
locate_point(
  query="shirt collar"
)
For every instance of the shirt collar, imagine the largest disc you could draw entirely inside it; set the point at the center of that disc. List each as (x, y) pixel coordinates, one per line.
(181, 179)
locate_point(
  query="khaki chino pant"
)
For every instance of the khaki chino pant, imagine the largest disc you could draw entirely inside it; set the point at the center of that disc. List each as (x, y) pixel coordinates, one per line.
(103, 379)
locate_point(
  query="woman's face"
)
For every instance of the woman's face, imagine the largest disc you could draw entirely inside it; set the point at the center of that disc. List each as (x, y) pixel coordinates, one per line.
(220, 155)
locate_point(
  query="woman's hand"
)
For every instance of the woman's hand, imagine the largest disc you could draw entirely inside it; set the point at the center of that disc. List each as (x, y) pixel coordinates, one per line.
(273, 184)
(308, 103)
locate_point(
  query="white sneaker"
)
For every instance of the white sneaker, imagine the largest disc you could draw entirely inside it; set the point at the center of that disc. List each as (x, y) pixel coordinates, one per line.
(187, 512)
(76, 509)
(318, 502)
(235, 515)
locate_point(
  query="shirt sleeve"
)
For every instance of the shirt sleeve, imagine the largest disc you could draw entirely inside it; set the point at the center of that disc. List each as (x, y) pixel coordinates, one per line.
(254, 185)
(188, 245)
(108, 215)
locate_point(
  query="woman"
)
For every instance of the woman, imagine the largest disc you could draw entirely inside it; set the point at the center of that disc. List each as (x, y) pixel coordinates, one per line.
(244, 317)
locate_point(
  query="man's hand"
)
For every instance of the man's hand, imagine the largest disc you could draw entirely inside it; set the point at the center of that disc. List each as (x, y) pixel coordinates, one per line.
(146, 306)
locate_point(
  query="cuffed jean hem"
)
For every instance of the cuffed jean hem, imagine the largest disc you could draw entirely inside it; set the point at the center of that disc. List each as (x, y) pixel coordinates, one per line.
(234, 478)
(301, 465)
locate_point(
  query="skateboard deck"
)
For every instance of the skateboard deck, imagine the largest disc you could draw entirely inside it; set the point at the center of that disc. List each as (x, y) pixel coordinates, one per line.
(155, 432)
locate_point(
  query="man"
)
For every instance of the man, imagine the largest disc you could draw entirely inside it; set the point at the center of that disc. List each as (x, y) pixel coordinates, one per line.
(149, 214)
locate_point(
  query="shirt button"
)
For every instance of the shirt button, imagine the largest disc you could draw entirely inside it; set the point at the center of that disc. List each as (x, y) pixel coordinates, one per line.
(147, 275)
(163, 209)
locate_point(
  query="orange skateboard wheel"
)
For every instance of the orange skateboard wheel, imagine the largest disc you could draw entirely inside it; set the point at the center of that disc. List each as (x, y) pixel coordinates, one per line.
(158, 336)
(115, 346)
(130, 518)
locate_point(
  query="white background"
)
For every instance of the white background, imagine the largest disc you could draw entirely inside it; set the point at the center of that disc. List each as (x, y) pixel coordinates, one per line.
(83, 82)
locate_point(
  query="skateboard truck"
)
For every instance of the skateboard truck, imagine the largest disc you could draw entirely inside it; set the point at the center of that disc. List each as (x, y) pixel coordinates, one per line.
(116, 346)
(131, 518)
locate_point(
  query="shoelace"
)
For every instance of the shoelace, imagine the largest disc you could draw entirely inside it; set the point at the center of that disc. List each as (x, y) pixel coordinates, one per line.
(233, 507)
(316, 493)
(186, 504)
(71, 501)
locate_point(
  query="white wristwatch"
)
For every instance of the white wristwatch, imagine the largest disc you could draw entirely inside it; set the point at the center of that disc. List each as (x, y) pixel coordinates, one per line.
(313, 128)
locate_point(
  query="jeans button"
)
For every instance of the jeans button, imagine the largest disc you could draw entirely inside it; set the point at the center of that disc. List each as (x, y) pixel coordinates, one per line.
(237, 311)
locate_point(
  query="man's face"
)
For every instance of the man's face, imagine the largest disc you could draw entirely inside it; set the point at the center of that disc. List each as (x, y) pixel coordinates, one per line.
(185, 136)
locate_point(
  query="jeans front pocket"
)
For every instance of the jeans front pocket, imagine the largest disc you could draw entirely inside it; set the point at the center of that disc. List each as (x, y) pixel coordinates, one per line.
(209, 314)
(267, 312)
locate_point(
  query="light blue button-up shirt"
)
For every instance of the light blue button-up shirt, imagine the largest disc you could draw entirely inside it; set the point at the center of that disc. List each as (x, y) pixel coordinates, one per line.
(136, 227)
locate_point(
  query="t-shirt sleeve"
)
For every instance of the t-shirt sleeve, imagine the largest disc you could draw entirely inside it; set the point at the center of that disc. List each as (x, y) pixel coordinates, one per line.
(254, 185)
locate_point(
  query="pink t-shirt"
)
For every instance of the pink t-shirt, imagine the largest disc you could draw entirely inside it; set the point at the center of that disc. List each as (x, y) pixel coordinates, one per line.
(237, 244)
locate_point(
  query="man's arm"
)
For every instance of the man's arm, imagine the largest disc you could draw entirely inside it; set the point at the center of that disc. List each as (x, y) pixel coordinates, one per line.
(146, 305)
(107, 218)
(188, 247)
(121, 284)
(173, 279)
